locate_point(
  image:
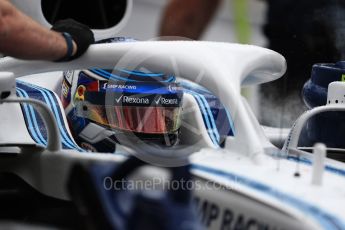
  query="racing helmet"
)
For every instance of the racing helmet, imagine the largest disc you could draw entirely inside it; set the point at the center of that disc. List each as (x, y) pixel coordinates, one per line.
(102, 105)
(327, 127)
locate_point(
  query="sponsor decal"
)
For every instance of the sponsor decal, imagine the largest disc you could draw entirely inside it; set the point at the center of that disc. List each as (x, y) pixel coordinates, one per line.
(145, 100)
(135, 100)
(129, 99)
(211, 213)
(141, 87)
(166, 101)
(118, 86)
(65, 89)
(68, 76)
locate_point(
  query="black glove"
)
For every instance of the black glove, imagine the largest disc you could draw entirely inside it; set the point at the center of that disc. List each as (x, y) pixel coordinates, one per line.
(80, 33)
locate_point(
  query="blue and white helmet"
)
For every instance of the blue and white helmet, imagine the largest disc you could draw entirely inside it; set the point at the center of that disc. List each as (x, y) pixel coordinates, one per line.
(103, 105)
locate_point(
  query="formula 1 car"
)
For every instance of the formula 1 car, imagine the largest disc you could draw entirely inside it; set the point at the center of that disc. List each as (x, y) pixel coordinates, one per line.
(70, 157)
(246, 182)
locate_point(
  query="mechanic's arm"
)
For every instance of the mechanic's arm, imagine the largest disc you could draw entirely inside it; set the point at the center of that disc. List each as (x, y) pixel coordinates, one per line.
(22, 37)
(187, 18)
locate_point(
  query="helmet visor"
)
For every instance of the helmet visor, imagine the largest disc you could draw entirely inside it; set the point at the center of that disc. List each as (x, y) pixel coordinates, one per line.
(148, 108)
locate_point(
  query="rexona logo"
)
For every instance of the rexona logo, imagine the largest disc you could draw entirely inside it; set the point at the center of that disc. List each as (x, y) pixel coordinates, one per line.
(136, 100)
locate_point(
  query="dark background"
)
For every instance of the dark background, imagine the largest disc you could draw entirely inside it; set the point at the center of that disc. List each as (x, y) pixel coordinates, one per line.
(99, 14)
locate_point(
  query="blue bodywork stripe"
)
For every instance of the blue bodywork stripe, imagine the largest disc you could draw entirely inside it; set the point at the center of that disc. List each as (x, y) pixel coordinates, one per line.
(214, 127)
(171, 79)
(232, 126)
(326, 220)
(32, 122)
(205, 116)
(33, 117)
(328, 168)
(49, 100)
(190, 87)
(52, 105)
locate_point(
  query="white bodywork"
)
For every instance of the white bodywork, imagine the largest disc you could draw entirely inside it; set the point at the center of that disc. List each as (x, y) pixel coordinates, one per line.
(258, 185)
